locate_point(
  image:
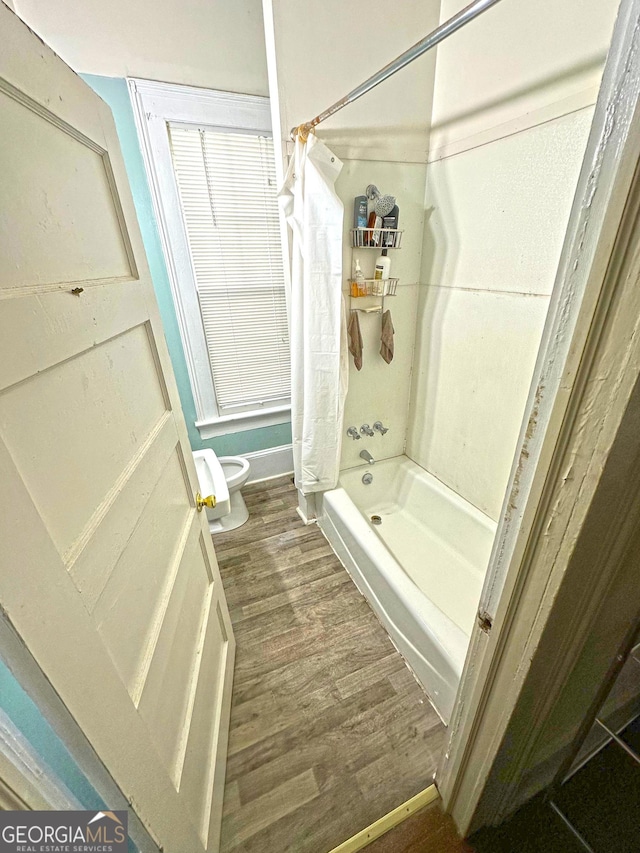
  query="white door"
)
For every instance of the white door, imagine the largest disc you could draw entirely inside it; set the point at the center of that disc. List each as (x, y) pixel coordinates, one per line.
(107, 570)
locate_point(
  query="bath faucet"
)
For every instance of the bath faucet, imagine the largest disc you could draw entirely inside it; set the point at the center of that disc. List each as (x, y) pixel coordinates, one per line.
(379, 428)
(368, 458)
(365, 429)
(352, 432)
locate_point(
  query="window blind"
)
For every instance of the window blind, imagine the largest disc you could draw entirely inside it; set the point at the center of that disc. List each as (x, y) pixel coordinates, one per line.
(227, 187)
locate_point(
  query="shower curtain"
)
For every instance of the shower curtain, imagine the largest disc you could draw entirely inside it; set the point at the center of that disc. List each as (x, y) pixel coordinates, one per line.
(319, 359)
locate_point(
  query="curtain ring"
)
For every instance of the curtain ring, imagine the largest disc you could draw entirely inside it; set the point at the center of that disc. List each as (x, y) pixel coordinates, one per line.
(304, 130)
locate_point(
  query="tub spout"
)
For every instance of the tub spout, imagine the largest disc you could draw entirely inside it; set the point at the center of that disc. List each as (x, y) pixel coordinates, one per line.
(368, 458)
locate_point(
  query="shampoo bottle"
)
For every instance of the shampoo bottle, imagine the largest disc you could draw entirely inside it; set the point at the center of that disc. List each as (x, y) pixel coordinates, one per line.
(383, 266)
(381, 274)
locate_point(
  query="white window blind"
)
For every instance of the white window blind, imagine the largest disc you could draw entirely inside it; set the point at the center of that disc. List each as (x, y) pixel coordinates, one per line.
(227, 187)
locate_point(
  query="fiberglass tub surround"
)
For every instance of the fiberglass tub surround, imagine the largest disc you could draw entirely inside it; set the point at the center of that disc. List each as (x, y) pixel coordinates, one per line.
(421, 566)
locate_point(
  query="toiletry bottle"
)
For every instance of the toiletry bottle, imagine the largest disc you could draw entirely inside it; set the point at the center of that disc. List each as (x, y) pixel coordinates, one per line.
(383, 266)
(359, 219)
(390, 221)
(373, 234)
(358, 285)
(381, 274)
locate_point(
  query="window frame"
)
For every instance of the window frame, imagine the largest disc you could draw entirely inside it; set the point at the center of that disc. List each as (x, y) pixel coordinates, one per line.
(155, 104)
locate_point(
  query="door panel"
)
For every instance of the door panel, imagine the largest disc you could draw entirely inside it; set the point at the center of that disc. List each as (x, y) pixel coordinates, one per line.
(110, 576)
(197, 782)
(130, 611)
(118, 415)
(53, 204)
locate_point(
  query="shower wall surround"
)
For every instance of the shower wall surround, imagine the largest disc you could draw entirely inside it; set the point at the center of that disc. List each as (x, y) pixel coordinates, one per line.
(511, 113)
(380, 391)
(494, 227)
(494, 123)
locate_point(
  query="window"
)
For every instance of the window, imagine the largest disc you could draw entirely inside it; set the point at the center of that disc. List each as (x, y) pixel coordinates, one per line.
(210, 161)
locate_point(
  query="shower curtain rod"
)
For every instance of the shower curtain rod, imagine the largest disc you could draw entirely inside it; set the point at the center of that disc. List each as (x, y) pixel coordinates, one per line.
(439, 34)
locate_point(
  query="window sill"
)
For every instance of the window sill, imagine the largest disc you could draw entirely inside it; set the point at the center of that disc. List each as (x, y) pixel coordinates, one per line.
(243, 421)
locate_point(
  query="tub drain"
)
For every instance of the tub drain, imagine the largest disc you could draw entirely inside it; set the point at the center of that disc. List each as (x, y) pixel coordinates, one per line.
(375, 519)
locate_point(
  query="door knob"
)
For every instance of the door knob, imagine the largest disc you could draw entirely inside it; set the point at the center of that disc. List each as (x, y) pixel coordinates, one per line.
(202, 502)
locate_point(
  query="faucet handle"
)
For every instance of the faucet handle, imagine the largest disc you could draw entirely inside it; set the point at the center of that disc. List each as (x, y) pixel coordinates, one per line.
(380, 428)
(352, 432)
(365, 429)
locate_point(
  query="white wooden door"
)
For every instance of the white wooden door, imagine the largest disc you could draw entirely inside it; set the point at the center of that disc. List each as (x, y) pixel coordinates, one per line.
(107, 570)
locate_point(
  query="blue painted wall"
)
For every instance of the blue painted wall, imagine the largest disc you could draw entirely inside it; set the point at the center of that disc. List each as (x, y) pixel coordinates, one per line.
(114, 91)
(25, 715)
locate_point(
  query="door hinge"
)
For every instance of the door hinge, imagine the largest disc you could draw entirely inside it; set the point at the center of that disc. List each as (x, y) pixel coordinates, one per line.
(484, 621)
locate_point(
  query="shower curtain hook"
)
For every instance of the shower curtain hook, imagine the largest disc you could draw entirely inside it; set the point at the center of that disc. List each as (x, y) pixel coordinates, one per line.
(304, 130)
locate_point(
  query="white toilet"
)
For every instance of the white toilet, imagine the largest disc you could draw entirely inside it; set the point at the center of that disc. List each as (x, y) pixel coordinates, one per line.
(227, 474)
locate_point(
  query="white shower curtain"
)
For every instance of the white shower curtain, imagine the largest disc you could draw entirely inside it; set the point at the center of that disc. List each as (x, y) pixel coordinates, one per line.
(319, 358)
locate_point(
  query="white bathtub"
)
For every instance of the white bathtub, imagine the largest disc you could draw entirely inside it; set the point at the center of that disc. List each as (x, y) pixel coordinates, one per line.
(421, 569)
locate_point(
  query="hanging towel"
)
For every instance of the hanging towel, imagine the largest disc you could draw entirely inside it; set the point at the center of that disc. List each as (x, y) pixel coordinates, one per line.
(355, 339)
(386, 338)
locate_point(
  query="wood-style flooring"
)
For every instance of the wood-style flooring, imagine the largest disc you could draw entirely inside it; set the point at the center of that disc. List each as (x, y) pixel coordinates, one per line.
(427, 831)
(329, 729)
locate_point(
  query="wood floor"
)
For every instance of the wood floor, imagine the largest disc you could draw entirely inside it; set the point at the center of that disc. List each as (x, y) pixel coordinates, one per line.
(329, 729)
(427, 831)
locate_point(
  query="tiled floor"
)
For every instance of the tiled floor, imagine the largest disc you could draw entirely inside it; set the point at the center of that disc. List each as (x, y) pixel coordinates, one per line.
(329, 730)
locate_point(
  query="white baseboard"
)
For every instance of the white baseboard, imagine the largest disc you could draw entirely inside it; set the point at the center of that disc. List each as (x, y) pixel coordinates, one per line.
(269, 463)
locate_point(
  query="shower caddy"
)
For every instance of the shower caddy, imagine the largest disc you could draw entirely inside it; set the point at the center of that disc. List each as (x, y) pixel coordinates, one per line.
(362, 238)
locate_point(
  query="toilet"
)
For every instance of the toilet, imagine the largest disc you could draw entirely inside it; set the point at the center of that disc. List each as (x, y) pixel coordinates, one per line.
(227, 474)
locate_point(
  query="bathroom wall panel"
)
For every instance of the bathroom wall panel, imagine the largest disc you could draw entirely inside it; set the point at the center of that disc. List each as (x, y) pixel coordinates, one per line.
(496, 215)
(516, 65)
(406, 182)
(513, 103)
(380, 391)
(475, 353)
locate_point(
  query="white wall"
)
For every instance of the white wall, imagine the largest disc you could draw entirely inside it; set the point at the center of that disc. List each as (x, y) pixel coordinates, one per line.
(325, 49)
(517, 65)
(510, 124)
(317, 53)
(380, 391)
(217, 44)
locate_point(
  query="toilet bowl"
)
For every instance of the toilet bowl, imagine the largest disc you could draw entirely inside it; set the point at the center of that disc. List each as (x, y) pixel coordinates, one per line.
(236, 473)
(223, 476)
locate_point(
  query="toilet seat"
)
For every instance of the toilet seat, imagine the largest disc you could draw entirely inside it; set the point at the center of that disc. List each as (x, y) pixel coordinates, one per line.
(236, 471)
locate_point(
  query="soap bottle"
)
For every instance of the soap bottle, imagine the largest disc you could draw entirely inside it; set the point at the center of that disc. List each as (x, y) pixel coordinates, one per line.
(358, 285)
(381, 274)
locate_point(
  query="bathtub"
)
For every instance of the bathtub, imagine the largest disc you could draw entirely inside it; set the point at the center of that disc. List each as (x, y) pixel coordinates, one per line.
(421, 568)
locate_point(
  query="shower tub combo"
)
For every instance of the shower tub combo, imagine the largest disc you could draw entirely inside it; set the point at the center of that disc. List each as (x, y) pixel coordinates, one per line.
(418, 552)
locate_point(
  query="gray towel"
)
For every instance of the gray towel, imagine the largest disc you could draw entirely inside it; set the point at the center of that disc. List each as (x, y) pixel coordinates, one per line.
(355, 339)
(386, 338)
